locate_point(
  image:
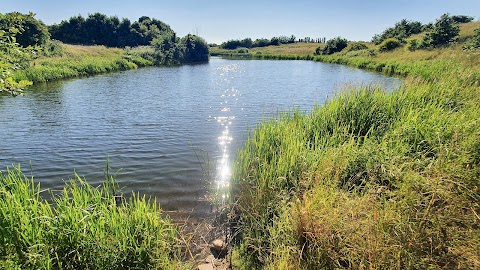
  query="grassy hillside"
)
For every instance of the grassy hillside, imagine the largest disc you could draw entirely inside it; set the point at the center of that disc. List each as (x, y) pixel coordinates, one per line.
(75, 61)
(369, 179)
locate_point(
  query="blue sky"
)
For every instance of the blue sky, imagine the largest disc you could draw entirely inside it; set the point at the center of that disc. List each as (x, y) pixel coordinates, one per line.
(219, 21)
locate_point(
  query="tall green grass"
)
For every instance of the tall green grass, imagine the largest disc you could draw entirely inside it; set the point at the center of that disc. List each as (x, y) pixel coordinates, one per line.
(78, 61)
(369, 180)
(81, 228)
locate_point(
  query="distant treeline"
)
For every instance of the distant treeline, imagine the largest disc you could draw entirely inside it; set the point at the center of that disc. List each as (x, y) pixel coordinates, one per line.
(99, 29)
(263, 42)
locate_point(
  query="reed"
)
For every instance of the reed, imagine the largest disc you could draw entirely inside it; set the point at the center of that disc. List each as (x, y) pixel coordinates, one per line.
(81, 228)
(370, 179)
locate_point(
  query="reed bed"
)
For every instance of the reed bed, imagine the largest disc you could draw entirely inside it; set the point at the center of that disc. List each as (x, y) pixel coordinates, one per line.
(369, 180)
(83, 227)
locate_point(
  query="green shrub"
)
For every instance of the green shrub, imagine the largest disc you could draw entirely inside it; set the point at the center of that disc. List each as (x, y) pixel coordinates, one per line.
(412, 44)
(332, 46)
(356, 46)
(389, 44)
(474, 41)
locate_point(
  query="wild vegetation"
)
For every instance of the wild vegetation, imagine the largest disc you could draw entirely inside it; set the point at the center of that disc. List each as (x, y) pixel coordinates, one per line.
(82, 227)
(264, 42)
(370, 179)
(28, 54)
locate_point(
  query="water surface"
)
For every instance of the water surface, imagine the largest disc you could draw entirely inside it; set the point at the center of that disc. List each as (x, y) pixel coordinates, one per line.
(173, 131)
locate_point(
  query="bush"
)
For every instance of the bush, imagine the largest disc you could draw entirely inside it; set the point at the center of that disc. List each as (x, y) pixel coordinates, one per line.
(333, 45)
(474, 41)
(389, 44)
(356, 46)
(412, 44)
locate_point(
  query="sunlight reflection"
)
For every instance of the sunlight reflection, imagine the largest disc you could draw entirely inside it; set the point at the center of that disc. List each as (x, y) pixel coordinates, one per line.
(228, 96)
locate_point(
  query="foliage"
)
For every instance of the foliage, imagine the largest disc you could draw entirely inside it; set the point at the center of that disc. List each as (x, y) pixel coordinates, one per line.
(412, 44)
(31, 31)
(462, 18)
(444, 31)
(196, 49)
(370, 179)
(332, 46)
(263, 42)
(12, 56)
(99, 29)
(389, 44)
(81, 228)
(356, 46)
(474, 41)
(171, 50)
(401, 31)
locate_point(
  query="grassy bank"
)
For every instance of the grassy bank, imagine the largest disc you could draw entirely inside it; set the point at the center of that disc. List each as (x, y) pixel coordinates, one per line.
(76, 61)
(81, 228)
(368, 180)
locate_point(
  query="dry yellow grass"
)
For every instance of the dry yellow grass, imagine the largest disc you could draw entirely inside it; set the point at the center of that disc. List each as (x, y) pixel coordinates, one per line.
(295, 48)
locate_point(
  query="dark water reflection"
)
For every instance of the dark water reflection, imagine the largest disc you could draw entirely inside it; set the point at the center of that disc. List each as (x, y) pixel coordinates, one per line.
(160, 125)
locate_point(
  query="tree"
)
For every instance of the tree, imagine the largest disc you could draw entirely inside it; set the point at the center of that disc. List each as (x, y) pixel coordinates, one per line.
(333, 45)
(12, 55)
(32, 32)
(462, 18)
(196, 49)
(401, 31)
(444, 31)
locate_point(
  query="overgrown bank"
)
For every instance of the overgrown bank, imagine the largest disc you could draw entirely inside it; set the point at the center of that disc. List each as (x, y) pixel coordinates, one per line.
(28, 54)
(370, 179)
(82, 228)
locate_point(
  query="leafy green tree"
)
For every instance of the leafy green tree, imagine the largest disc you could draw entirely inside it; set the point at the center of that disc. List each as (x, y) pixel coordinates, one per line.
(332, 46)
(100, 29)
(167, 48)
(462, 18)
(444, 31)
(262, 42)
(33, 32)
(196, 49)
(12, 56)
(401, 31)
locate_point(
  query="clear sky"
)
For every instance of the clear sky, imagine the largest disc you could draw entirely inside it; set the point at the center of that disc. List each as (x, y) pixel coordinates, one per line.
(218, 21)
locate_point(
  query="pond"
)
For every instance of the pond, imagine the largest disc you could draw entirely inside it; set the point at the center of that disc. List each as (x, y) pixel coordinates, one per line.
(173, 131)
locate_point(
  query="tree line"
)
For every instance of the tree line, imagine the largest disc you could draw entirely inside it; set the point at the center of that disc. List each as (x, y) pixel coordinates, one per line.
(99, 29)
(264, 42)
(442, 32)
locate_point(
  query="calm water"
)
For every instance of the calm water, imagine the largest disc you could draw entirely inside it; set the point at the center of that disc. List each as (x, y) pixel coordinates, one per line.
(172, 131)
